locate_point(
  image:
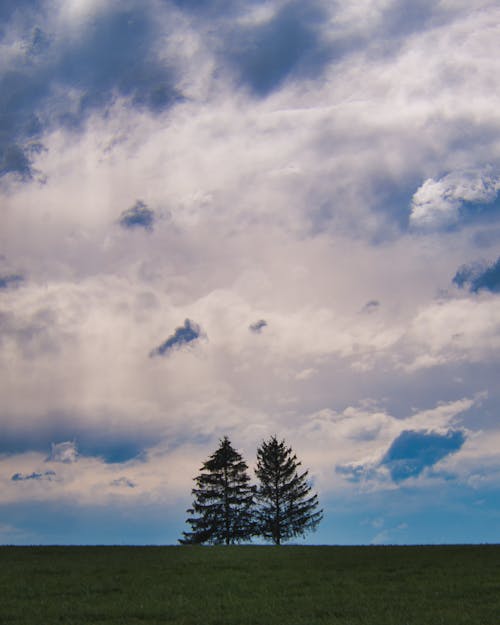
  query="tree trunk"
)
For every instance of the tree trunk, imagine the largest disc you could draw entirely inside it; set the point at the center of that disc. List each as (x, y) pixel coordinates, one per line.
(277, 529)
(226, 508)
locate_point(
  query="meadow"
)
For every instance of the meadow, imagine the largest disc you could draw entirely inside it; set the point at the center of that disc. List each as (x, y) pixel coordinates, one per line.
(250, 585)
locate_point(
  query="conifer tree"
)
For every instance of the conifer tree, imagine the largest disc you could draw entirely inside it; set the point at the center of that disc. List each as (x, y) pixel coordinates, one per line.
(223, 507)
(286, 507)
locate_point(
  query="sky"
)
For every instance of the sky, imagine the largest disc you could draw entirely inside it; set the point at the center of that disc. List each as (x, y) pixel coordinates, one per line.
(249, 218)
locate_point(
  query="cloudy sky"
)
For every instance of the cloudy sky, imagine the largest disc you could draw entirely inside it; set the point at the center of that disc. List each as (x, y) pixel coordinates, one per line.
(249, 218)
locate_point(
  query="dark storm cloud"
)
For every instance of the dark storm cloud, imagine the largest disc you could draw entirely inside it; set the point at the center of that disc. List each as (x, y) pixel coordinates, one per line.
(183, 335)
(138, 216)
(10, 280)
(21, 477)
(112, 54)
(412, 451)
(479, 276)
(258, 326)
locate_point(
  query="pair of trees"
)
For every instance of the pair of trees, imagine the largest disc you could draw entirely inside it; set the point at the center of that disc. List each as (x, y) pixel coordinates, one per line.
(228, 509)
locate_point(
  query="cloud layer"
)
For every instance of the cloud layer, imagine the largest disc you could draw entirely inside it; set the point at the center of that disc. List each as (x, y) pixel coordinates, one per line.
(317, 186)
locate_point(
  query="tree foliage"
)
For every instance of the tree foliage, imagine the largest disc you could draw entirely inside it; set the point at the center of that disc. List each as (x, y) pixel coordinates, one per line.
(223, 507)
(286, 507)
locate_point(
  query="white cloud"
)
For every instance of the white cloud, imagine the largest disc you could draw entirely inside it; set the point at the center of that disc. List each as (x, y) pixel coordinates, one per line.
(360, 436)
(322, 440)
(456, 330)
(63, 452)
(438, 202)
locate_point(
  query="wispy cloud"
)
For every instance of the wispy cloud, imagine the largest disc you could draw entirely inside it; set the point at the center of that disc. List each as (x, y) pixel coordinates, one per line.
(63, 452)
(371, 306)
(123, 482)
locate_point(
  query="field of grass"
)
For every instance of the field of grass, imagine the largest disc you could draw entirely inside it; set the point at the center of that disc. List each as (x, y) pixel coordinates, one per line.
(451, 585)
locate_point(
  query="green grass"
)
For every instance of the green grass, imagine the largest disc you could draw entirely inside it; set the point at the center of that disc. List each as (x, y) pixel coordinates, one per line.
(452, 585)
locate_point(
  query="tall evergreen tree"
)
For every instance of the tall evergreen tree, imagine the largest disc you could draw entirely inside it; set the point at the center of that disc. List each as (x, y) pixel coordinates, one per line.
(286, 507)
(223, 507)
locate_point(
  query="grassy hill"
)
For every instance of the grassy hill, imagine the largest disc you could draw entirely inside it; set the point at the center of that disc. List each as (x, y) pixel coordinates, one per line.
(250, 585)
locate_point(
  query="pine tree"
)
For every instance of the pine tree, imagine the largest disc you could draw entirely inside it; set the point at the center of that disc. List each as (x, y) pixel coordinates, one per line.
(285, 506)
(223, 507)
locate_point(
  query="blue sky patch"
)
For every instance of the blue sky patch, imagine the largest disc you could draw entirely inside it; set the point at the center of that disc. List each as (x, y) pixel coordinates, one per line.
(16, 159)
(22, 477)
(116, 53)
(479, 276)
(412, 451)
(10, 280)
(139, 216)
(268, 53)
(182, 335)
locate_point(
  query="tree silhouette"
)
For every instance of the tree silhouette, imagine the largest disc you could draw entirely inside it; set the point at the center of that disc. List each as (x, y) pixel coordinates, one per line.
(285, 506)
(223, 507)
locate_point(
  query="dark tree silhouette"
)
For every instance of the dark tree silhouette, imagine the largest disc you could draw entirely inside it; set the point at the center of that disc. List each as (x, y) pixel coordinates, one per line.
(223, 506)
(286, 507)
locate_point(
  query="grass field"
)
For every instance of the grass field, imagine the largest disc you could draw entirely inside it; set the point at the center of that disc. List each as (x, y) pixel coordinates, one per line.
(450, 585)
